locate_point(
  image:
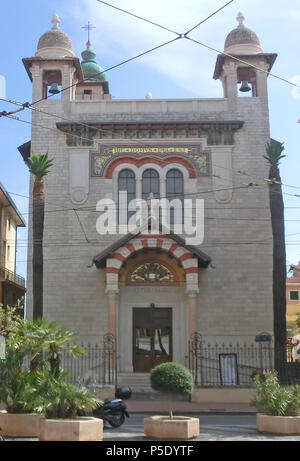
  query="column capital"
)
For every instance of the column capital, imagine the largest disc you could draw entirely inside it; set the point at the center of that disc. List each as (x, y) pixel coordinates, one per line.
(111, 291)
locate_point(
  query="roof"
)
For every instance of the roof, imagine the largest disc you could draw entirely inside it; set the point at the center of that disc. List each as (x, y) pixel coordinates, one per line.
(7, 201)
(29, 61)
(269, 57)
(241, 36)
(25, 150)
(55, 38)
(100, 259)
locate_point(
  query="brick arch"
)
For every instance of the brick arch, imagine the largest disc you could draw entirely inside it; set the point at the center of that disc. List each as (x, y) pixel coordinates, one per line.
(187, 260)
(138, 162)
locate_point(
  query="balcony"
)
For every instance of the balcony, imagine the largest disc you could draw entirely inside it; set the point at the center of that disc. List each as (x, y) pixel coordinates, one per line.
(9, 276)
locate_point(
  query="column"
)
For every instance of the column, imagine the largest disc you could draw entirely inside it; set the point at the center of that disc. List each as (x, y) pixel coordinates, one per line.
(112, 312)
(192, 312)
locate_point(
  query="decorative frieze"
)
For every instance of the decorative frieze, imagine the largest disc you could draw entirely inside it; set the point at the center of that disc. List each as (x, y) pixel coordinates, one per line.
(200, 159)
(216, 133)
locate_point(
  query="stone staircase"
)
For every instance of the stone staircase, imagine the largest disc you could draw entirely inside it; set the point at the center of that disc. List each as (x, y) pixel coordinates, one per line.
(140, 386)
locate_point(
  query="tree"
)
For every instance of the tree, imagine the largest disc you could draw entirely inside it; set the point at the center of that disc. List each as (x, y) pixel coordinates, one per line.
(273, 155)
(172, 379)
(39, 165)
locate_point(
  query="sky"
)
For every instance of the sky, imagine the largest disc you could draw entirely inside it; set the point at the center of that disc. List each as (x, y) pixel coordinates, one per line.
(180, 70)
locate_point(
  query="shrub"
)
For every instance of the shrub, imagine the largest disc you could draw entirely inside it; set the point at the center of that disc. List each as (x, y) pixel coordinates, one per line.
(17, 390)
(273, 399)
(173, 378)
(60, 399)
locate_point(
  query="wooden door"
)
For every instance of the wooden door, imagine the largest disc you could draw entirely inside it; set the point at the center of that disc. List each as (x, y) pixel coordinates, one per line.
(152, 337)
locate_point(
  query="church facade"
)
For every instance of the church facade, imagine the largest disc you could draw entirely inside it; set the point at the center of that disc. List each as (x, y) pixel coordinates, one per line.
(154, 290)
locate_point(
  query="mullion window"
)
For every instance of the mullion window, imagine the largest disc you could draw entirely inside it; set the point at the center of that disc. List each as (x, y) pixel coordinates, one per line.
(150, 184)
(174, 189)
(127, 183)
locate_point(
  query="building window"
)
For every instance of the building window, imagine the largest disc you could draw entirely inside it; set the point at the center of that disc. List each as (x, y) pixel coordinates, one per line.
(175, 190)
(152, 272)
(294, 295)
(150, 184)
(127, 183)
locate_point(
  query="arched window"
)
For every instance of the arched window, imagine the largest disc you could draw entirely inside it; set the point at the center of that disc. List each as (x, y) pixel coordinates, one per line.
(175, 190)
(127, 183)
(150, 184)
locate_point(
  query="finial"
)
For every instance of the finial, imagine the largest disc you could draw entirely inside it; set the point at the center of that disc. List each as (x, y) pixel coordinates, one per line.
(89, 27)
(55, 21)
(240, 18)
(88, 45)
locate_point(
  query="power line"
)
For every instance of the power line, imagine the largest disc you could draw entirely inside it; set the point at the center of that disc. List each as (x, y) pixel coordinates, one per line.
(204, 20)
(111, 68)
(149, 156)
(139, 17)
(134, 141)
(159, 25)
(243, 62)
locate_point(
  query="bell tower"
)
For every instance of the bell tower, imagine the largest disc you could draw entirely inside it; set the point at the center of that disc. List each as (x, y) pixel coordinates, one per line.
(54, 66)
(243, 67)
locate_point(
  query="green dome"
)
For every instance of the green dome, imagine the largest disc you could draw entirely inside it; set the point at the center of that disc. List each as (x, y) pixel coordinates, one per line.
(91, 70)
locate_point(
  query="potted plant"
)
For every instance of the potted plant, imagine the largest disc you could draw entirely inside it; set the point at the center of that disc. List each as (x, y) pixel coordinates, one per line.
(171, 379)
(20, 417)
(278, 406)
(60, 401)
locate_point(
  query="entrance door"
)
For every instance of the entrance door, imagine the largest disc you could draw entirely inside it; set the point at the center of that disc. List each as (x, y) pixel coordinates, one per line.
(152, 337)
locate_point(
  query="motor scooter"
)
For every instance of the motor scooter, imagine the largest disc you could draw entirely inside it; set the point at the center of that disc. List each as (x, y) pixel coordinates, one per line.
(114, 410)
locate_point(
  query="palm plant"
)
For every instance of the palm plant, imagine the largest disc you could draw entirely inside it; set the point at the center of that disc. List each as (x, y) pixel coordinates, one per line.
(60, 399)
(39, 165)
(41, 338)
(273, 399)
(273, 155)
(17, 384)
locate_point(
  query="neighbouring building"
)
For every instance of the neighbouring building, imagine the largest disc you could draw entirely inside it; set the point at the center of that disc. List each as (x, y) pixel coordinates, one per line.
(12, 286)
(293, 300)
(152, 293)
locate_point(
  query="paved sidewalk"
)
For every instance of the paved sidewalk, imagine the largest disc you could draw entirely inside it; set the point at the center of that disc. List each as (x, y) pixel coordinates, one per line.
(141, 406)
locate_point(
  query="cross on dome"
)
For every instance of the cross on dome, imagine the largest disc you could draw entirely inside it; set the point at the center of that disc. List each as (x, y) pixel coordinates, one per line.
(240, 18)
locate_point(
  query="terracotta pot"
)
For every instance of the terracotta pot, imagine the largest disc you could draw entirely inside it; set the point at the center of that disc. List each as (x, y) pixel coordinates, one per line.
(81, 429)
(180, 427)
(280, 425)
(19, 424)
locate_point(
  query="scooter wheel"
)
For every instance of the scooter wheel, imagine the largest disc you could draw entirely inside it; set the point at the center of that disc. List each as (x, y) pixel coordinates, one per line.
(116, 420)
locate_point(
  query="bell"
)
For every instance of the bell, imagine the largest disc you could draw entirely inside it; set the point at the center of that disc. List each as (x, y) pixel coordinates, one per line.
(54, 89)
(245, 87)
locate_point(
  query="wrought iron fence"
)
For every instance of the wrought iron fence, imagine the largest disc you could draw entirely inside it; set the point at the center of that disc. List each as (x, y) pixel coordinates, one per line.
(235, 364)
(96, 367)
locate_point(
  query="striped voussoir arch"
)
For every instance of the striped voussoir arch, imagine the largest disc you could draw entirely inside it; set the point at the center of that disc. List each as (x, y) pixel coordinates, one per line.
(188, 261)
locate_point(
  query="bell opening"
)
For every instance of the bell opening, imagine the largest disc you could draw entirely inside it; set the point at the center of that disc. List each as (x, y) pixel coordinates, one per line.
(52, 84)
(246, 82)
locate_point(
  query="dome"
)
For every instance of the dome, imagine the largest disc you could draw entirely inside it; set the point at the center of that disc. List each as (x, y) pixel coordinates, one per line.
(91, 70)
(55, 43)
(242, 40)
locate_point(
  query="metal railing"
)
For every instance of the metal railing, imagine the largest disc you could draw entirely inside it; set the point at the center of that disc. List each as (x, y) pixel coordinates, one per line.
(11, 276)
(97, 367)
(234, 364)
